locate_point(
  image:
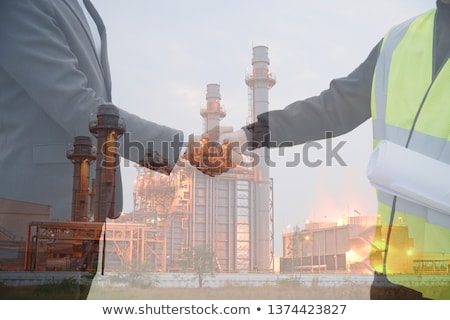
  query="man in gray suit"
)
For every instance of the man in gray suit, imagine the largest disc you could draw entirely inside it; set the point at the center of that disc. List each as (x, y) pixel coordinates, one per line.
(54, 74)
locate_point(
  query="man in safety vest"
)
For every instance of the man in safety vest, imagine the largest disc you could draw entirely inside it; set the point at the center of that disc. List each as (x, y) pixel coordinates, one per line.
(403, 86)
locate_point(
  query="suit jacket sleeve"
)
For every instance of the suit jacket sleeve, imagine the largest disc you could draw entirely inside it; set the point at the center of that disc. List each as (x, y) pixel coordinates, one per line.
(45, 49)
(339, 109)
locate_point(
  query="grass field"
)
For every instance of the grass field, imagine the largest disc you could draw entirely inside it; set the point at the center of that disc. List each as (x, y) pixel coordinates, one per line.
(146, 286)
(233, 293)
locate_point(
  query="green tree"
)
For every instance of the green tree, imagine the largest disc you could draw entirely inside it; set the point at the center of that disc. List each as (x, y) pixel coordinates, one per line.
(293, 249)
(199, 259)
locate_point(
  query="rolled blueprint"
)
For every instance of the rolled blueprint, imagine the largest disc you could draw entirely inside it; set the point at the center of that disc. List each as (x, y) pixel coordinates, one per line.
(410, 175)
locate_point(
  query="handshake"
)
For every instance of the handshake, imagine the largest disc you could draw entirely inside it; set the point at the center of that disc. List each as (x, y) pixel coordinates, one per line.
(216, 151)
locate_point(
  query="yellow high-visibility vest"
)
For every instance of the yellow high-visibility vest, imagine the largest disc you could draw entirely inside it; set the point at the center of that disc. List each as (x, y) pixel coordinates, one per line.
(412, 109)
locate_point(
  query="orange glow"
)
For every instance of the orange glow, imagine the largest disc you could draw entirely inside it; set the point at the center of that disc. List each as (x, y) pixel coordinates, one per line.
(351, 256)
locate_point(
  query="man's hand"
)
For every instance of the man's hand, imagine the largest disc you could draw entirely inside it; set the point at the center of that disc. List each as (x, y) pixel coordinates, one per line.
(236, 142)
(212, 153)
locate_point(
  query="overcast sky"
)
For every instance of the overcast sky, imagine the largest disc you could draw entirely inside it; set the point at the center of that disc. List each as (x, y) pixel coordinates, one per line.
(164, 53)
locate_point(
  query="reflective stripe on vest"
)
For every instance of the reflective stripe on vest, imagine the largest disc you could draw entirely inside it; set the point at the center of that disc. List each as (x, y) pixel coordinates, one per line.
(403, 81)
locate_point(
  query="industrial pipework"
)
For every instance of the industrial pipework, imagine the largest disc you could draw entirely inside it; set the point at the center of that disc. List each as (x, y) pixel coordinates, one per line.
(82, 154)
(107, 127)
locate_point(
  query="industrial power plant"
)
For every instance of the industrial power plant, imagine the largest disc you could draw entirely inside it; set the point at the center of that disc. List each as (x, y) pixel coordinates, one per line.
(232, 214)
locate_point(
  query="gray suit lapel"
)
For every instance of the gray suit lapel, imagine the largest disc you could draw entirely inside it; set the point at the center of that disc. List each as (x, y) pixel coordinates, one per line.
(78, 11)
(102, 61)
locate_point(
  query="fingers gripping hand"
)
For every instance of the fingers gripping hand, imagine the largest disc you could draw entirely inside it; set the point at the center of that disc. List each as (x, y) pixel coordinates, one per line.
(208, 157)
(237, 141)
(216, 151)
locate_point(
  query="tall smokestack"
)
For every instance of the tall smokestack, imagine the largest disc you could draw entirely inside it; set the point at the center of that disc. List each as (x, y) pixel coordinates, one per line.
(260, 81)
(214, 112)
(107, 128)
(81, 155)
(92, 196)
